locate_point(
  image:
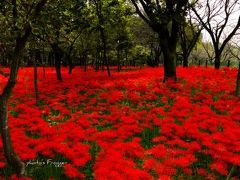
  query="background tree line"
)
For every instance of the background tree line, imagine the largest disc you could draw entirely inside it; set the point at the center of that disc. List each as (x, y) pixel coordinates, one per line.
(115, 33)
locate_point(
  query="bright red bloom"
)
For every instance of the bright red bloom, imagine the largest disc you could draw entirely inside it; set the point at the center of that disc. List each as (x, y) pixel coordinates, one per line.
(72, 172)
(220, 167)
(115, 119)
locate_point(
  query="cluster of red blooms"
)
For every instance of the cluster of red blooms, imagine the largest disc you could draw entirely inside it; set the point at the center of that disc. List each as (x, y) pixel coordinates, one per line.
(197, 117)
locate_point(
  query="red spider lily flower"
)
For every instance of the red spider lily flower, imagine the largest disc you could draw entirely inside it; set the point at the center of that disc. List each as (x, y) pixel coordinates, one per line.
(202, 172)
(164, 177)
(220, 167)
(72, 172)
(2, 164)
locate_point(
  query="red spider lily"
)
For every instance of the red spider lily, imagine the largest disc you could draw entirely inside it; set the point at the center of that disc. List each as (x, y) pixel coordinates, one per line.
(72, 172)
(197, 117)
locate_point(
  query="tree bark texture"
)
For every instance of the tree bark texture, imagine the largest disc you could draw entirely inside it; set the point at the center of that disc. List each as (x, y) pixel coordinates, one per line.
(58, 58)
(12, 159)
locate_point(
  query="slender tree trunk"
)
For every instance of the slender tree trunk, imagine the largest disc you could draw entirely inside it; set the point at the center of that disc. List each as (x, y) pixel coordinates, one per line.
(58, 69)
(98, 56)
(206, 63)
(126, 57)
(217, 61)
(133, 63)
(228, 63)
(187, 45)
(69, 60)
(70, 65)
(186, 54)
(238, 82)
(118, 61)
(85, 58)
(105, 59)
(85, 65)
(11, 157)
(58, 57)
(70, 69)
(98, 4)
(97, 64)
(185, 60)
(43, 63)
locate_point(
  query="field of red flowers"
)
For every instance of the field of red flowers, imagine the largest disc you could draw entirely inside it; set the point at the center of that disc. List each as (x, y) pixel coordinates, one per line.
(128, 126)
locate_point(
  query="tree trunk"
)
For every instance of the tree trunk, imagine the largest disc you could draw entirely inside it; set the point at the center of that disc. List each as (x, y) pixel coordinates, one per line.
(169, 54)
(185, 55)
(98, 57)
(228, 63)
(98, 5)
(71, 67)
(126, 57)
(238, 82)
(118, 61)
(85, 65)
(105, 59)
(168, 41)
(169, 66)
(185, 60)
(58, 57)
(85, 58)
(184, 51)
(97, 63)
(157, 55)
(10, 155)
(69, 60)
(217, 61)
(58, 69)
(12, 159)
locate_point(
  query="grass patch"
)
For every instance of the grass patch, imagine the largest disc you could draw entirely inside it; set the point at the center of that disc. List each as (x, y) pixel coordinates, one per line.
(147, 135)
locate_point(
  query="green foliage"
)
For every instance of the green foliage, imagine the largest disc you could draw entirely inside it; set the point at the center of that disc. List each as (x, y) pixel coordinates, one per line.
(140, 54)
(103, 127)
(14, 113)
(147, 135)
(88, 169)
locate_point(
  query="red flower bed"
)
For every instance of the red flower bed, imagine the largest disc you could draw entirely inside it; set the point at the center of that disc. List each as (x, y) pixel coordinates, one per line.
(129, 126)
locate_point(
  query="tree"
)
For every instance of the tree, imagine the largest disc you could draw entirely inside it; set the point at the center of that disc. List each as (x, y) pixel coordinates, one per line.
(143, 35)
(65, 23)
(55, 19)
(189, 35)
(21, 26)
(102, 32)
(118, 17)
(217, 17)
(235, 52)
(165, 18)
